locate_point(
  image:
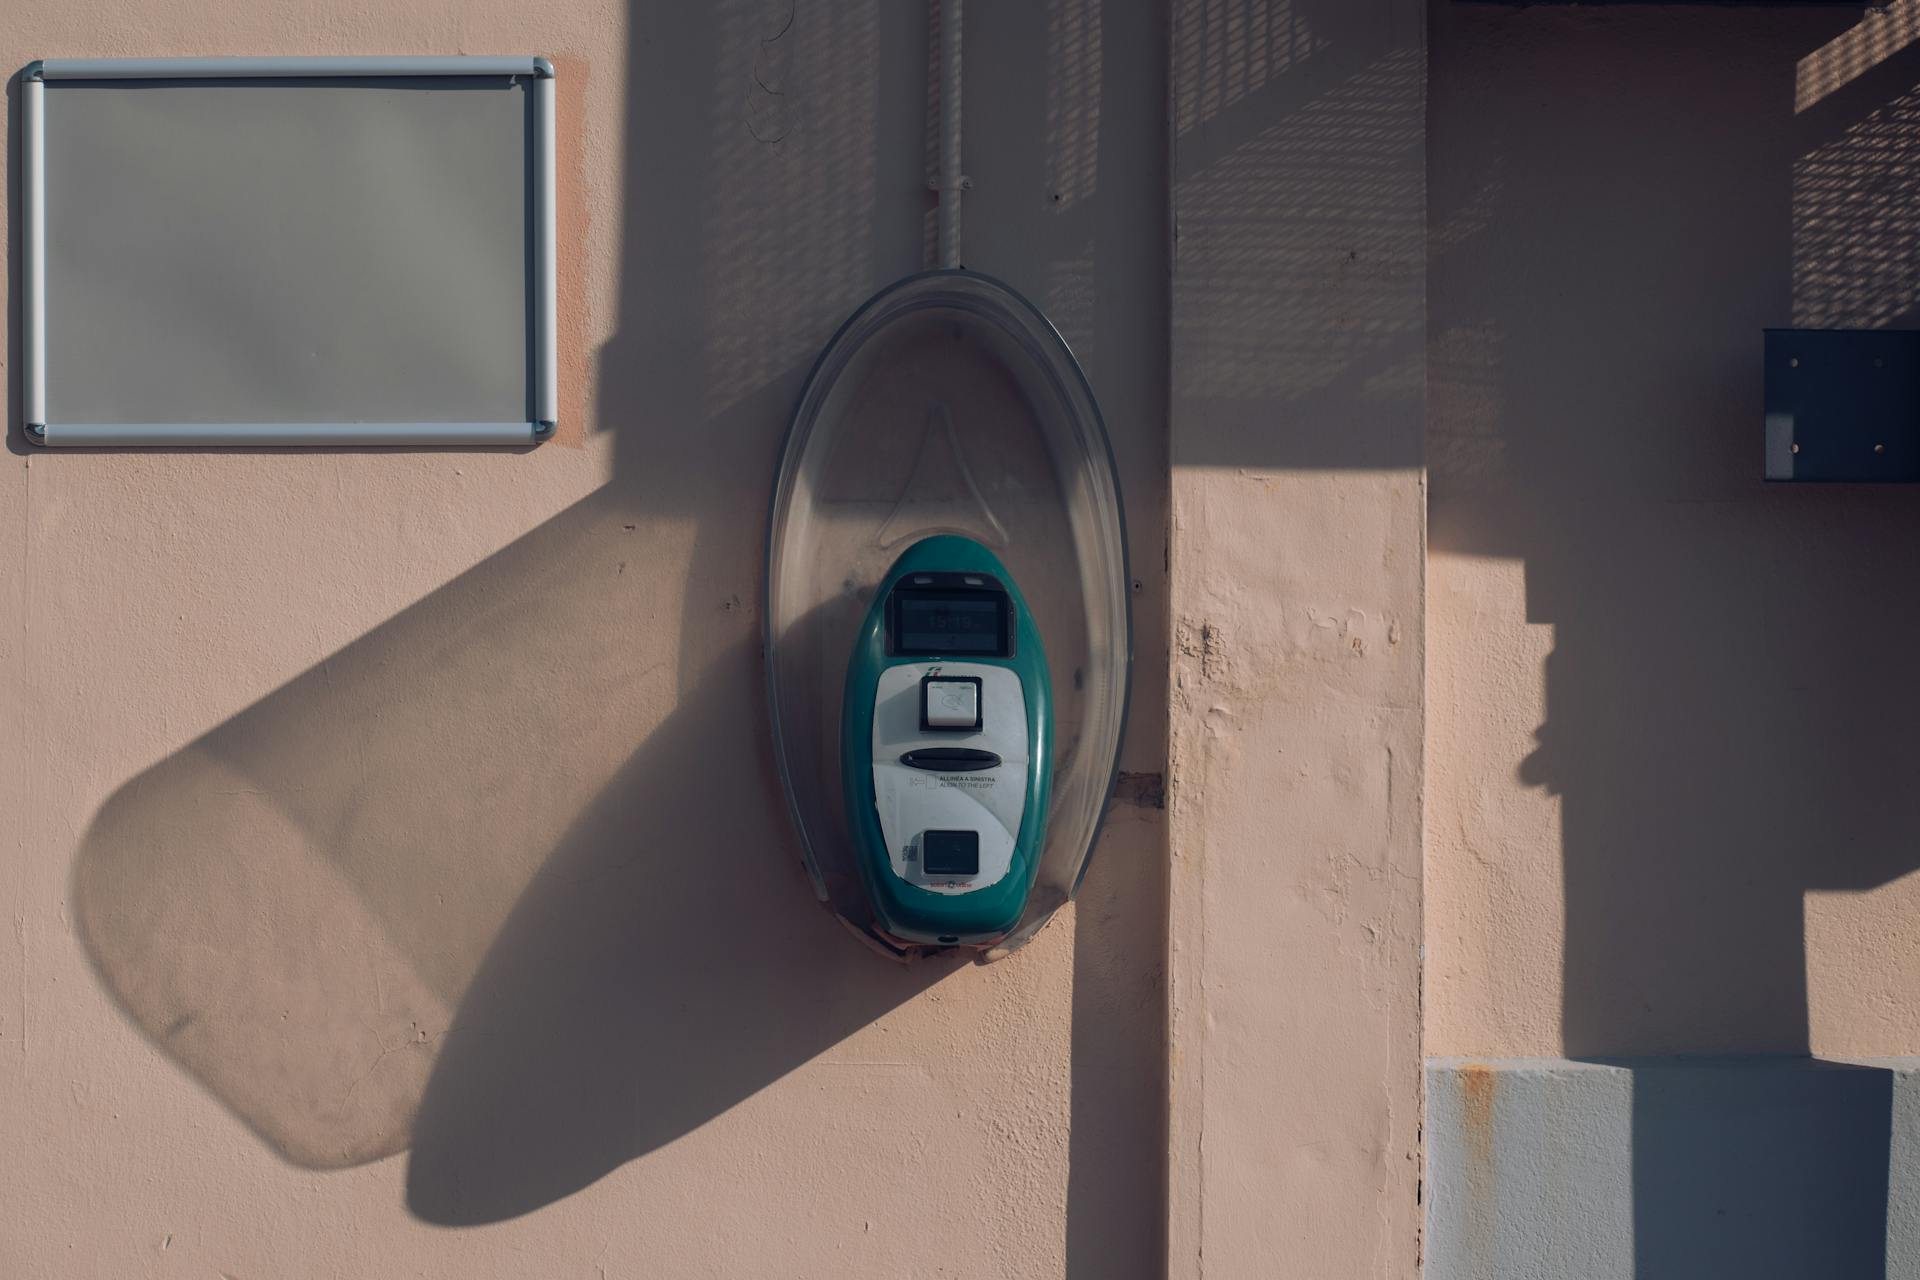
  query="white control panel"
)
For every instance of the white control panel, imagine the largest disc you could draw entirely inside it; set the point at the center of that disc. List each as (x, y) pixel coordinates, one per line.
(950, 771)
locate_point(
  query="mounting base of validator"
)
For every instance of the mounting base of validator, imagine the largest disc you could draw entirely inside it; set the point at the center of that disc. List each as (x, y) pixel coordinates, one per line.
(946, 740)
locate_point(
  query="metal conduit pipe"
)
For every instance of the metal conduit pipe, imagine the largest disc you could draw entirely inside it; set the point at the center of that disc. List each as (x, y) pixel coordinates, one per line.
(950, 177)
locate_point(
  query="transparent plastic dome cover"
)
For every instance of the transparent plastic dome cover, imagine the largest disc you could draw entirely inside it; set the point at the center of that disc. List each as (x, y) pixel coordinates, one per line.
(947, 404)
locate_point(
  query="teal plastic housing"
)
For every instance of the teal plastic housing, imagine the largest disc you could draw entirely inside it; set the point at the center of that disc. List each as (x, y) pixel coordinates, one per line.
(946, 404)
(907, 911)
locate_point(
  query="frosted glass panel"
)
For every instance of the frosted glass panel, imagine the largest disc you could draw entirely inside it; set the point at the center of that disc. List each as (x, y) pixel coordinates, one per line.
(297, 251)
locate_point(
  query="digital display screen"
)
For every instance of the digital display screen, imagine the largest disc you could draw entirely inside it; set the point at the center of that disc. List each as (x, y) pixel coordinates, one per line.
(950, 622)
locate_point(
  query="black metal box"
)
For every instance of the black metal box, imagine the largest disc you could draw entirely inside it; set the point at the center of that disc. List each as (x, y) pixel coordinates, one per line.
(1843, 404)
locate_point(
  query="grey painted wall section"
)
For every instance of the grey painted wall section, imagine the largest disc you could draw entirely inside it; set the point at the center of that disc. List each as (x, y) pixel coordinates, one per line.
(1753, 1167)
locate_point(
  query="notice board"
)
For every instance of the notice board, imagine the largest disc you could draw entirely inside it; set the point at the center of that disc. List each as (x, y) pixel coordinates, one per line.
(288, 251)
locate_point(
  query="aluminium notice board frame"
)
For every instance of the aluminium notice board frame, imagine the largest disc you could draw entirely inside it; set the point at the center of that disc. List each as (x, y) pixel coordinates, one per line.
(449, 326)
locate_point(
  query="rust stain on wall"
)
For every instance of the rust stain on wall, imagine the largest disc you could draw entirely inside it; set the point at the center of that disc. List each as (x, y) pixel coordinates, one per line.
(1476, 1117)
(1476, 1096)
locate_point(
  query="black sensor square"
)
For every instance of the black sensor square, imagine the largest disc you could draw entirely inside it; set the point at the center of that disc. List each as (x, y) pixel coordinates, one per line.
(950, 853)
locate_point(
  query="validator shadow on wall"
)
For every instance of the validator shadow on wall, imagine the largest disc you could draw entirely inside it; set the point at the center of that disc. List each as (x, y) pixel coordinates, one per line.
(472, 885)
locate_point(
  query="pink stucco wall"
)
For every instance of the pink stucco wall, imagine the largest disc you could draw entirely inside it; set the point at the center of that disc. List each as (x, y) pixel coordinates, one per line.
(369, 873)
(1671, 707)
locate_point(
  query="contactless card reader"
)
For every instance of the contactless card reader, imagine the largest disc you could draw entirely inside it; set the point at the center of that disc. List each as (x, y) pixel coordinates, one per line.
(946, 741)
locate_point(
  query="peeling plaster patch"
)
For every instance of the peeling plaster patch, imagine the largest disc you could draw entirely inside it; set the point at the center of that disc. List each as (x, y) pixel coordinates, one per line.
(1202, 640)
(1146, 790)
